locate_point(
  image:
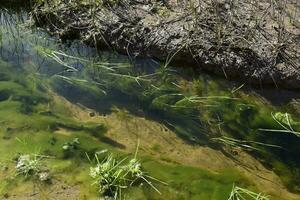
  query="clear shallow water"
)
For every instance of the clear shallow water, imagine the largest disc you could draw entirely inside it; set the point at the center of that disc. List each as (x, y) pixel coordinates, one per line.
(201, 110)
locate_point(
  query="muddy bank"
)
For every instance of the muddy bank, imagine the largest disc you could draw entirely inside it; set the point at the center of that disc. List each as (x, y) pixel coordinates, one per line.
(253, 41)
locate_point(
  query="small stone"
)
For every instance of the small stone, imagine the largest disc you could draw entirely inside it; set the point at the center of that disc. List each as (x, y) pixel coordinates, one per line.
(92, 114)
(8, 129)
(6, 195)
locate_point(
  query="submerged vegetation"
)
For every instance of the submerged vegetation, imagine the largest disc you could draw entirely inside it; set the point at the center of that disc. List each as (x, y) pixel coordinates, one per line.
(239, 193)
(286, 123)
(32, 166)
(113, 175)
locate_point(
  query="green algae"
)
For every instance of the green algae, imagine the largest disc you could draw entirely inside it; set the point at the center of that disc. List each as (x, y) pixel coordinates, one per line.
(192, 183)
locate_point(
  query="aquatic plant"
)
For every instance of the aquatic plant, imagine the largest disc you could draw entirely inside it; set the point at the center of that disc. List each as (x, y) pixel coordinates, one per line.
(71, 146)
(113, 175)
(239, 193)
(96, 72)
(73, 149)
(31, 165)
(243, 144)
(285, 121)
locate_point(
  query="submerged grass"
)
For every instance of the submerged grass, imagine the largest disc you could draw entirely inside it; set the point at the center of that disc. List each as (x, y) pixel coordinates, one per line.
(113, 175)
(243, 144)
(285, 121)
(239, 193)
(31, 165)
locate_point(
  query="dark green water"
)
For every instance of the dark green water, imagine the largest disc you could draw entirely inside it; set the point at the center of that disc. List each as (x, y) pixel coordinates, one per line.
(201, 109)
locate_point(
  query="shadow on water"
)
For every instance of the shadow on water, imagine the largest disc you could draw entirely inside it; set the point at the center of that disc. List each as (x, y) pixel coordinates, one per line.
(188, 129)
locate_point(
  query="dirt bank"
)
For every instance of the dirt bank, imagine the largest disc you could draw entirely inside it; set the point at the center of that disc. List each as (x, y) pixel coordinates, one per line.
(249, 40)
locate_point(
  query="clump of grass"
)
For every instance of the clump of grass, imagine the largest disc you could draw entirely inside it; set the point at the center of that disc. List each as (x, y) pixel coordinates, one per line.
(31, 165)
(243, 144)
(70, 148)
(239, 193)
(113, 175)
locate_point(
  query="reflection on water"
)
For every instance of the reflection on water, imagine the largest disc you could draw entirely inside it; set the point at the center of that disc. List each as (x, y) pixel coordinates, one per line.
(200, 109)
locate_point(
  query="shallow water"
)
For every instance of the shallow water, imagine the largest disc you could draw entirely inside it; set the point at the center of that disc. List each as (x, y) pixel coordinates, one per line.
(52, 92)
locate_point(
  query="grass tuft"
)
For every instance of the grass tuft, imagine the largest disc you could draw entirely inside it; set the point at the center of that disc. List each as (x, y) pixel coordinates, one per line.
(113, 175)
(239, 193)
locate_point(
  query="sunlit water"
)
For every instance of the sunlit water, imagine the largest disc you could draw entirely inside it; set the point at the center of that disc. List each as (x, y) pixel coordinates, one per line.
(200, 109)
